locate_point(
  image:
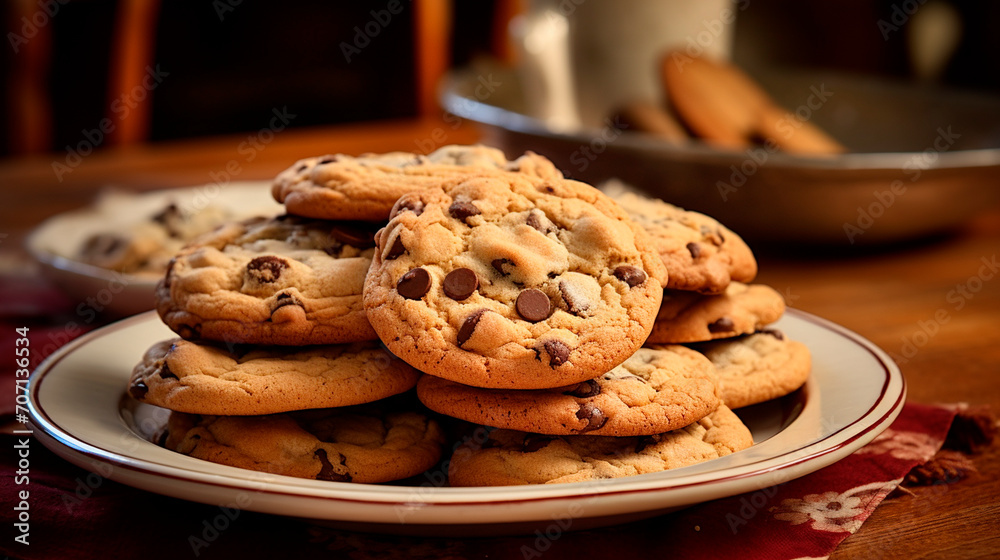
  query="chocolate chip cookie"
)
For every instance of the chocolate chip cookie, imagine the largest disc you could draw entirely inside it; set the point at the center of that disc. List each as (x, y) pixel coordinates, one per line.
(206, 379)
(654, 391)
(285, 280)
(758, 367)
(144, 247)
(693, 317)
(365, 187)
(355, 444)
(510, 458)
(512, 282)
(700, 253)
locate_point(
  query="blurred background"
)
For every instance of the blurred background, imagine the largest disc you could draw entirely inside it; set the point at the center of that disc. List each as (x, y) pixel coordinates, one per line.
(68, 63)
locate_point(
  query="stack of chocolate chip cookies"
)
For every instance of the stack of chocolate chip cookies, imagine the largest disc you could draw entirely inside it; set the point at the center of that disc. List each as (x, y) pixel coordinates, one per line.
(271, 323)
(595, 338)
(710, 305)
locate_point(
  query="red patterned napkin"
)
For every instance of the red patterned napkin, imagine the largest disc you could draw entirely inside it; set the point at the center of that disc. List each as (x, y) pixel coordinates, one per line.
(76, 514)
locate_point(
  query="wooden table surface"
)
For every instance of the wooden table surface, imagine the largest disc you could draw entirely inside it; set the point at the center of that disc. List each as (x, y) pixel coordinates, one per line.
(932, 305)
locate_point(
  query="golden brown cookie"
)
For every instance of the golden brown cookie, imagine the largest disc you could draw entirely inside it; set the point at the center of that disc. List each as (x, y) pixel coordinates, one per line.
(642, 116)
(654, 391)
(356, 444)
(758, 367)
(511, 282)
(204, 379)
(286, 280)
(343, 187)
(144, 247)
(509, 458)
(714, 99)
(795, 135)
(693, 317)
(700, 254)
(725, 107)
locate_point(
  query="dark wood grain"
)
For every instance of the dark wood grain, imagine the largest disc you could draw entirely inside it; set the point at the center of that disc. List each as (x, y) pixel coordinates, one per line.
(891, 297)
(906, 299)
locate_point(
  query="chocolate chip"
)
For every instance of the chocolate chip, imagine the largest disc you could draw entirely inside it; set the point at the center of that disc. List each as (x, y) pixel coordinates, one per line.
(469, 326)
(418, 159)
(558, 352)
(102, 245)
(713, 234)
(645, 442)
(460, 283)
(773, 332)
(396, 249)
(462, 209)
(166, 217)
(593, 415)
(538, 221)
(165, 372)
(408, 205)
(266, 269)
(284, 299)
(575, 301)
(414, 284)
(353, 236)
(694, 249)
(534, 442)
(533, 305)
(327, 159)
(724, 324)
(588, 388)
(138, 390)
(326, 471)
(498, 264)
(302, 168)
(630, 275)
(170, 211)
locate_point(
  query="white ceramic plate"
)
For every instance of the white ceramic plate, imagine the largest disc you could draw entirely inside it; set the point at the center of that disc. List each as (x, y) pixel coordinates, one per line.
(80, 411)
(55, 242)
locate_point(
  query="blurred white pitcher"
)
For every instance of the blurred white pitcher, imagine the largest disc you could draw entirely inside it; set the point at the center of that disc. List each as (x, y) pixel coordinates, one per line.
(581, 59)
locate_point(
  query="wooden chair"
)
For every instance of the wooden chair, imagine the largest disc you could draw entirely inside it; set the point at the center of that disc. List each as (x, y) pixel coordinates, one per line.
(133, 50)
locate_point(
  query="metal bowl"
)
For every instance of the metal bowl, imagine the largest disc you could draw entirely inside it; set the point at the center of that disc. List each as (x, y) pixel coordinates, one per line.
(922, 160)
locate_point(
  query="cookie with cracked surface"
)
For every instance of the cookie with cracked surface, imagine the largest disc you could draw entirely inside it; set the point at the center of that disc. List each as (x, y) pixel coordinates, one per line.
(355, 444)
(758, 367)
(510, 458)
(207, 379)
(508, 282)
(700, 254)
(654, 391)
(366, 187)
(693, 317)
(286, 280)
